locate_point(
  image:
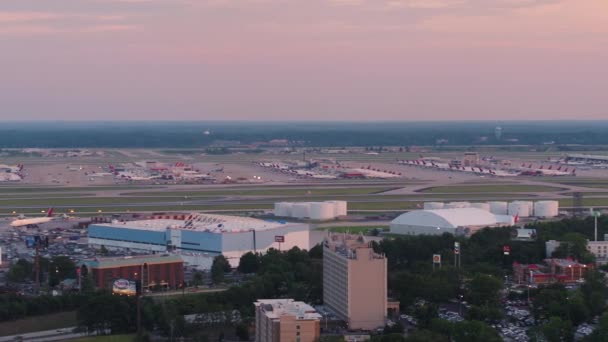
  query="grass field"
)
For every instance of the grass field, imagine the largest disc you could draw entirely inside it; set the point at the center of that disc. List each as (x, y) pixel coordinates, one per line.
(63, 202)
(110, 338)
(57, 189)
(45, 195)
(303, 191)
(490, 189)
(587, 202)
(39, 323)
(152, 208)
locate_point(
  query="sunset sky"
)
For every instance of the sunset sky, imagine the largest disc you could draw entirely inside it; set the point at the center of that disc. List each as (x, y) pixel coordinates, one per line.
(303, 59)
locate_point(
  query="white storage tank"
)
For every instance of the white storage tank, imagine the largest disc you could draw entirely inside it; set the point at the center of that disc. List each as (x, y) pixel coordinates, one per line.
(341, 208)
(482, 206)
(301, 210)
(336, 207)
(546, 208)
(282, 209)
(520, 208)
(530, 205)
(457, 205)
(498, 207)
(433, 205)
(322, 210)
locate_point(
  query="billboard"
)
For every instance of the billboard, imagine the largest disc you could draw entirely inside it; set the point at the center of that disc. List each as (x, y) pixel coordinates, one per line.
(124, 287)
(279, 238)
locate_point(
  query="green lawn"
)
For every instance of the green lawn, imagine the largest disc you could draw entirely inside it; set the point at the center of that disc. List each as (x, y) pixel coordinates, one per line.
(58, 189)
(490, 188)
(152, 208)
(45, 195)
(587, 202)
(39, 323)
(303, 191)
(65, 202)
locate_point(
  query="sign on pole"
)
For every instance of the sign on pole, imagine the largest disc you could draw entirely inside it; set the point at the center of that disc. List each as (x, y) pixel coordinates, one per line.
(436, 258)
(456, 247)
(279, 238)
(506, 250)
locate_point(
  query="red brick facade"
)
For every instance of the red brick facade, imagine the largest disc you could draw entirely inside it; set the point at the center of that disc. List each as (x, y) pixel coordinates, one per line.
(166, 274)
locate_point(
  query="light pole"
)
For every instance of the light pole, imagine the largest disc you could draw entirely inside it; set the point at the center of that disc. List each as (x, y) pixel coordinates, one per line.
(460, 304)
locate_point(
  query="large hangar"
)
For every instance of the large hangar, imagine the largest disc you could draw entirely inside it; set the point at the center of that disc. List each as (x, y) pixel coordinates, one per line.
(201, 234)
(457, 221)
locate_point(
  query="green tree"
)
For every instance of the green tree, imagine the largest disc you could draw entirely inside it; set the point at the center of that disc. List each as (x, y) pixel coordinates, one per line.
(219, 268)
(249, 263)
(103, 250)
(558, 330)
(601, 333)
(574, 245)
(474, 331)
(396, 328)
(484, 290)
(595, 292)
(20, 271)
(426, 336)
(426, 313)
(242, 332)
(484, 313)
(60, 268)
(197, 278)
(578, 311)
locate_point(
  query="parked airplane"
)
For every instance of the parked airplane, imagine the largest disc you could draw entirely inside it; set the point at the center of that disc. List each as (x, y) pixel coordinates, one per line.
(22, 221)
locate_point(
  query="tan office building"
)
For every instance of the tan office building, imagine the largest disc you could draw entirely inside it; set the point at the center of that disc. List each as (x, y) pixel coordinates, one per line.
(354, 281)
(285, 320)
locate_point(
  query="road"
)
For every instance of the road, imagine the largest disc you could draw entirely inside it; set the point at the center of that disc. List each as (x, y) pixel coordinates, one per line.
(47, 335)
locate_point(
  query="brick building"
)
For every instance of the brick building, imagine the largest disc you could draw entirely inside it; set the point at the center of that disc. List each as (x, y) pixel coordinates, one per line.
(551, 271)
(165, 271)
(285, 320)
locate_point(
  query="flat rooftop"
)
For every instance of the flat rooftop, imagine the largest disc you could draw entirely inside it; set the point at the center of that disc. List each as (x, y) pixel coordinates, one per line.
(275, 308)
(132, 260)
(202, 222)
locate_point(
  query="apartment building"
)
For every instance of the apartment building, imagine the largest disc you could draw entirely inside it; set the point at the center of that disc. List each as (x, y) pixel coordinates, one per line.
(355, 281)
(285, 320)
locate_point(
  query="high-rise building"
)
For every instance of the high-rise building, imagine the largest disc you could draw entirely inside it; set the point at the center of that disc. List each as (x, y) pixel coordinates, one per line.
(285, 320)
(354, 281)
(498, 132)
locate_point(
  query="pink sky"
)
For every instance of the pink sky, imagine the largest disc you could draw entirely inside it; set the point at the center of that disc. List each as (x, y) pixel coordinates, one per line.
(304, 59)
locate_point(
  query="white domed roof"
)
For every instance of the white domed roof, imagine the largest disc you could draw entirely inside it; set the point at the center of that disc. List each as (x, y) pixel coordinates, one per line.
(447, 218)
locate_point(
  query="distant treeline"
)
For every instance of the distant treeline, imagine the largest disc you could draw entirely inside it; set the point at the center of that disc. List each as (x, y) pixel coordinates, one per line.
(311, 134)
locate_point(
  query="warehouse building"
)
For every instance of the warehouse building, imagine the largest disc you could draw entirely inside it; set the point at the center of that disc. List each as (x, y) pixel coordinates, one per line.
(201, 234)
(457, 221)
(154, 271)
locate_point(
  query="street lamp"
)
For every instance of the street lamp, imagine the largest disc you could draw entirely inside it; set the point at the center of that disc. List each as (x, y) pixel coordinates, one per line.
(460, 297)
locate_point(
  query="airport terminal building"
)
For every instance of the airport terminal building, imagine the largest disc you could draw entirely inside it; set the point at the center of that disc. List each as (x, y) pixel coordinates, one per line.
(201, 235)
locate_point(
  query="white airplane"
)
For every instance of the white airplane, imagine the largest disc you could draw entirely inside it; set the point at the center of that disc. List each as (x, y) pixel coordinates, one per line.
(22, 221)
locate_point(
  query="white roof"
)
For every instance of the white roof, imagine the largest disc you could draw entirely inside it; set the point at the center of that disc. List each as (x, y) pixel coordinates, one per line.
(201, 222)
(449, 218)
(275, 308)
